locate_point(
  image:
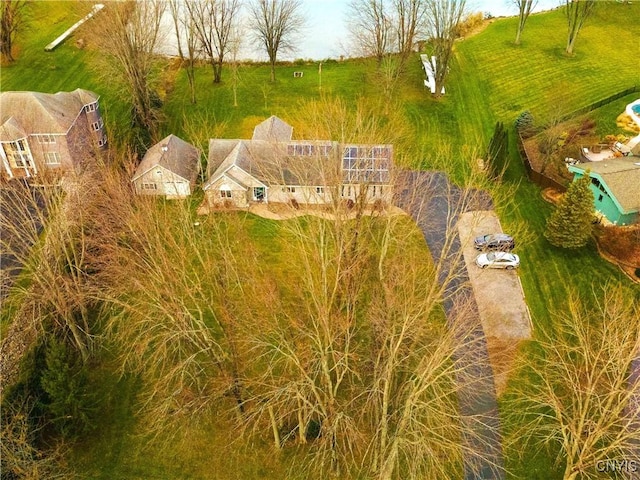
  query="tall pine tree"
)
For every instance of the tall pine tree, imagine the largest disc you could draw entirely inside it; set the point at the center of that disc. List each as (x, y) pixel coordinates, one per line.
(497, 152)
(571, 224)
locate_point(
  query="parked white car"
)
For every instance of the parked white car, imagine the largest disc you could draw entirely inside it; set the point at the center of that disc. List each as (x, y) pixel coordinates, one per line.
(498, 260)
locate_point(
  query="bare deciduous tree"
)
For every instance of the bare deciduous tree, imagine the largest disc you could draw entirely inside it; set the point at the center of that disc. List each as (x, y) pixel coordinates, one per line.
(235, 44)
(185, 30)
(214, 21)
(180, 296)
(524, 10)
(275, 25)
(352, 361)
(58, 293)
(582, 400)
(380, 27)
(409, 23)
(442, 17)
(128, 35)
(577, 12)
(11, 21)
(371, 27)
(176, 15)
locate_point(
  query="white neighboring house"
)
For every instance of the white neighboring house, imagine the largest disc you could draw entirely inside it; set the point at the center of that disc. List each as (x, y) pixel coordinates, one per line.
(169, 168)
(429, 68)
(271, 167)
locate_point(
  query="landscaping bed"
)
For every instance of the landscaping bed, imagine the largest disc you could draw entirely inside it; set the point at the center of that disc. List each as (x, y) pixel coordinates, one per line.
(621, 245)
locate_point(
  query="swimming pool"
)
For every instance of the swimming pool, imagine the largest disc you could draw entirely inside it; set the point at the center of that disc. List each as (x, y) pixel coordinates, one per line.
(633, 110)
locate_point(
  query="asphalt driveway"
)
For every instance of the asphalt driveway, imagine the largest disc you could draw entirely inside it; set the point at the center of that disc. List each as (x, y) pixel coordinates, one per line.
(435, 204)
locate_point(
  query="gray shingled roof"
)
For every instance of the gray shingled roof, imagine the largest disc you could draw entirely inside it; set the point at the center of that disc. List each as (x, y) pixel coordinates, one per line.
(622, 176)
(272, 158)
(11, 130)
(273, 129)
(38, 112)
(219, 149)
(175, 155)
(268, 163)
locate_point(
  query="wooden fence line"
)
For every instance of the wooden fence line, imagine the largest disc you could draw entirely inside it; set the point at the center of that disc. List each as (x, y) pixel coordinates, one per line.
(541, 179)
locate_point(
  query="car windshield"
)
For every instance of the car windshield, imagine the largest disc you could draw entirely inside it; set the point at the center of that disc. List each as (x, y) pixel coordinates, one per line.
(491, 256)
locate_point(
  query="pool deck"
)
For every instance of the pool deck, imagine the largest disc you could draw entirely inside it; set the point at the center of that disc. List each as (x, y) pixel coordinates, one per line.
(636, 118)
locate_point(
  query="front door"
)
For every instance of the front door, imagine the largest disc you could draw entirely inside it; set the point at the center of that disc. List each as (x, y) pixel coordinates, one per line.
(258, 194)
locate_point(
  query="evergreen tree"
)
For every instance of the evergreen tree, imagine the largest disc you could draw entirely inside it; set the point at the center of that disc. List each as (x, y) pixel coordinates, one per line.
(64, 381)
(525, 124)
(571, 224)
(498, 151)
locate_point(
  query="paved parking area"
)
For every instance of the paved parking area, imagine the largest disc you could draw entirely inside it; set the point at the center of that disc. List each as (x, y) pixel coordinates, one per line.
(504, 314)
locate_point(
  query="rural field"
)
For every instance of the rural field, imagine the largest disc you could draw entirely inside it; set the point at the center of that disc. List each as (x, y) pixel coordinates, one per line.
(490, 80)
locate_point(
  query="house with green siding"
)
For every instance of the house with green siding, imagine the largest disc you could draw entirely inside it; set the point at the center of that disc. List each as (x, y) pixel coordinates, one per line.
(615, 184)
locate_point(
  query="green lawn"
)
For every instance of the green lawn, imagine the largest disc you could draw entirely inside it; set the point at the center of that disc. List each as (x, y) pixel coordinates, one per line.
(538, 76)
(258, 98)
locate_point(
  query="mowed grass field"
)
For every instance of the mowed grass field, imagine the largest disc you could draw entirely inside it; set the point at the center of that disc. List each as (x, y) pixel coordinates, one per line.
(539, 76)
(491, 79)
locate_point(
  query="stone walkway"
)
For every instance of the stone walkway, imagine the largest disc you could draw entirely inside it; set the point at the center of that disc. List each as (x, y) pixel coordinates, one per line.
(277, 211)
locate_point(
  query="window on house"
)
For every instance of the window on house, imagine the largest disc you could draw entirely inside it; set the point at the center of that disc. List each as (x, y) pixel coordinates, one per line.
(46, 138)
(600, 198)
(95, 126)
(149, 186)
(18, 155)
(52, 158)
(289, 189)
(363, 164)
(225, 193)
(20, 159)
(102, 142)
(319, 190)
(325, 150)
(301, 149)
(259, 194)
(91, 107)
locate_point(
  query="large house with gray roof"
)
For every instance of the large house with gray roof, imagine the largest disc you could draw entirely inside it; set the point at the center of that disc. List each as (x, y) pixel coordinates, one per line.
(169, 168)
(272, 167)
(45, 131)
(615, 184)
